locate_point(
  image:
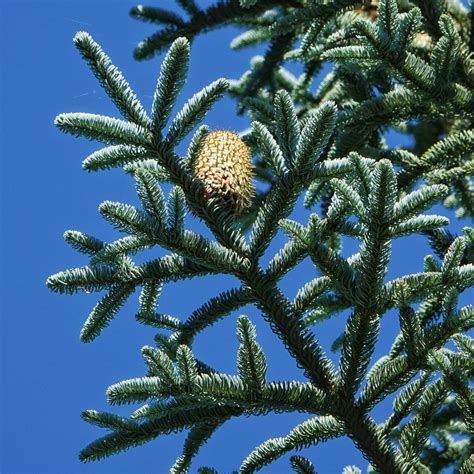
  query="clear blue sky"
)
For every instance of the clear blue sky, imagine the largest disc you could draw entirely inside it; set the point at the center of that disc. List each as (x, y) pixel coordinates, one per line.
(48, 376)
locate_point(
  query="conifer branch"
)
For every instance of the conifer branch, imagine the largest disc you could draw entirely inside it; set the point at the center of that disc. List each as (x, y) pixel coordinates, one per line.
(309, 432)
(218, 15)
(302, 465)
(111, 79)
(398, 66)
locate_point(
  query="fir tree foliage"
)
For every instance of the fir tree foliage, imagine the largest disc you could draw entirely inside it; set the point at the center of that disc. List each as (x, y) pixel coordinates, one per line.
(399, 65)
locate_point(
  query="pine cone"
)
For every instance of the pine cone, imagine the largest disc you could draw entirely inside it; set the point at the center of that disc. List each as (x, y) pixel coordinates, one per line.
(224, 166)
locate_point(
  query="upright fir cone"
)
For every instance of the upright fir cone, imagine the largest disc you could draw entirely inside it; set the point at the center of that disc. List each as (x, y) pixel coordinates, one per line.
(223, 164)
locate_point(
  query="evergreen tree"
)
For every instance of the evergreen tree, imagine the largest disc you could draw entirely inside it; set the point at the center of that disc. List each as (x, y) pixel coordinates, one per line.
(401, 65)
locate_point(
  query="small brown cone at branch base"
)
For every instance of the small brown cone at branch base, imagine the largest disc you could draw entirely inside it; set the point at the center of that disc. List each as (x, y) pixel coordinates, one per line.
(421, 40)
(223, 164)
(369, 10)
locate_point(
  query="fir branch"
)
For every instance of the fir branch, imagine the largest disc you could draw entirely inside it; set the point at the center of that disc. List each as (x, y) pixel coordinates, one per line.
(302, 465)
(88, 279)
(187, 367)
(270, 150)
(169, 268)
(102, 128)
(124, 246)
(176, 210)
(250, 358)
(404, 403)
(215, 309)
(113, 156)
(278, 205)
(151, 165)
(292, 253)
(128, 218)
(398, 370)
(401, 67)
(414, 434)
(170, 82)
(363, 325)
(158, 320)
(151, 196)
(299, 342)
(306, 434)
(105, 310)
(194, 111)
(156, 15)
(197, 437)
(83, 243)
(375, 446)
(215, 16)
(121, 440)
(111, 80)
(108, 420)
(314, 137)
(279, 45)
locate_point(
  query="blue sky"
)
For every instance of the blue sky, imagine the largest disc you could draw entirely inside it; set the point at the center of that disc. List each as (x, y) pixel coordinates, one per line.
(48, 376)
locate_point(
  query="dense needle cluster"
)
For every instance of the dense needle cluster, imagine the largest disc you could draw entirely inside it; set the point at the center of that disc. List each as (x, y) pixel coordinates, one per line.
(403, 66)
